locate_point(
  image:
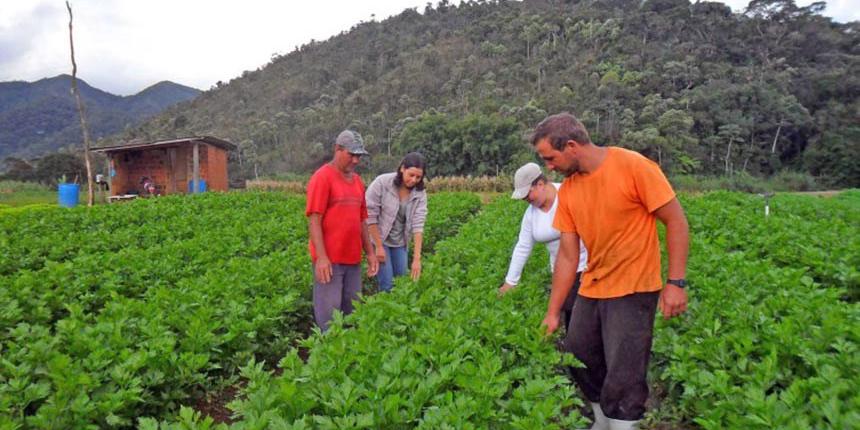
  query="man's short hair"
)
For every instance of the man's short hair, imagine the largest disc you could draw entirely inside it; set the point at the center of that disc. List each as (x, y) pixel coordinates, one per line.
(559, 129)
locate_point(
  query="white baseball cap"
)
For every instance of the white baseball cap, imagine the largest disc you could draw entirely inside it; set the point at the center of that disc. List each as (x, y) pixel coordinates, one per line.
(523, 180)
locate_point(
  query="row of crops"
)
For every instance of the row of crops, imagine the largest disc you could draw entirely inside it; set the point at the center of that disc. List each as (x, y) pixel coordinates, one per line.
(125, 311)
(129, 312)
(443, 353)
(770, 340)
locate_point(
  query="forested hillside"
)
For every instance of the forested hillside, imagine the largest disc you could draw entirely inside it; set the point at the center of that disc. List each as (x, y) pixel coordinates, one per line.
(41, 117)
(692, 85)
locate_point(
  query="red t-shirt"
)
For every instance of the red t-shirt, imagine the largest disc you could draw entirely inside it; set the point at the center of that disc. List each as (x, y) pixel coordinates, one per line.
(343, 209)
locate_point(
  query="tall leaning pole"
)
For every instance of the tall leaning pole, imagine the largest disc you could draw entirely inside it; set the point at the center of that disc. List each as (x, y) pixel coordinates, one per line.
(81, 114)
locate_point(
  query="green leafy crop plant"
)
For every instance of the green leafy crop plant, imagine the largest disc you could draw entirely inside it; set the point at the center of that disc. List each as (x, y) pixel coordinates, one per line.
(131, 310)
(445, 352)
(771, 336)
(113, 313)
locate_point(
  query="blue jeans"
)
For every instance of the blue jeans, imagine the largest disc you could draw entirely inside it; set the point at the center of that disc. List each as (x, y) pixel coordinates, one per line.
(395, 265)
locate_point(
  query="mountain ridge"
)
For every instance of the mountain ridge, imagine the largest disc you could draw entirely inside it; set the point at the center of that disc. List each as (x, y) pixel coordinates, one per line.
(41, 116)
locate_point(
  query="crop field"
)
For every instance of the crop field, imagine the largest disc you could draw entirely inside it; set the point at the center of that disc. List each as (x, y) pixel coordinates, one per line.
(122, 316)
(132, 310)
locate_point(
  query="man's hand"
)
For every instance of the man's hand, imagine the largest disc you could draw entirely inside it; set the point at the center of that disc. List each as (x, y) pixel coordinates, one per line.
(322, 270)
(380, 254)
(372, 265)
(505, 288)
(673, 301)
(416, 269)
(551, 323)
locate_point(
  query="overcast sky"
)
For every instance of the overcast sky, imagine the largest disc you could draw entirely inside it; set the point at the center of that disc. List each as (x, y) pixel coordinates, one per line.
(123, 46)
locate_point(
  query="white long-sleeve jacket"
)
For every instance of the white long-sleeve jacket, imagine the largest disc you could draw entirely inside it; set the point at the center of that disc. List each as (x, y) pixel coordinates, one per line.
(537, 227)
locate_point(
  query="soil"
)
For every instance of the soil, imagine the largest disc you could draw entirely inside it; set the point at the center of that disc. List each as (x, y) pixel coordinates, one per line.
(215, 404)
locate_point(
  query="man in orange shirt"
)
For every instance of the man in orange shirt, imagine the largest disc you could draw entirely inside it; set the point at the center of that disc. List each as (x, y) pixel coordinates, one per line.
(611, 199)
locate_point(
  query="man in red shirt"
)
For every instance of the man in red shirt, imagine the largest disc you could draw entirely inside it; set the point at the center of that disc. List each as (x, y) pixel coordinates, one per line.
(336, 212)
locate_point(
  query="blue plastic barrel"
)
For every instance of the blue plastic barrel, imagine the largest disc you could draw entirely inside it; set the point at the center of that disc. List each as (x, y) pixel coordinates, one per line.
(201, 186)
(68, 195)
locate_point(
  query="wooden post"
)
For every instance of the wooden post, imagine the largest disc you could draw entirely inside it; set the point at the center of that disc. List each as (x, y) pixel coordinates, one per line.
(81, 113)
(195, 183)
(171, 172)
(108, 178)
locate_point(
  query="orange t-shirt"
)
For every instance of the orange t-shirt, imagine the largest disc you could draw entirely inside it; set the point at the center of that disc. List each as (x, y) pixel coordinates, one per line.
(612, 211)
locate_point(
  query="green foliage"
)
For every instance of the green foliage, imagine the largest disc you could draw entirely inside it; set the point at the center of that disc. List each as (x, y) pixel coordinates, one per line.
(9, 187)
(51, 168)
(475, 144)
(46, 170)
(833, 156)
(771, 336)
(445, 352)
(784, 181)
(129, 310)
(480, 184)
(690, 84)
(119, 311)
(447, 212)
(770, 339)
(41, 117)
(28, 194)
(16, 169)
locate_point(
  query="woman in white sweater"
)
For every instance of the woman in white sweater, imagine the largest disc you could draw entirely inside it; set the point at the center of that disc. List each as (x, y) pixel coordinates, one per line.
(531, 185)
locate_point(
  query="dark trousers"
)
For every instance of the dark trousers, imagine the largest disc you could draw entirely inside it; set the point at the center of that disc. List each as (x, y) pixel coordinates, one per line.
(337, 294)
(567, 307)
(612, 338)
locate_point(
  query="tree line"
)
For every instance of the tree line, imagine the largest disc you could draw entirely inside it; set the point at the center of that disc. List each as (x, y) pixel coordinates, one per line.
(694, 86)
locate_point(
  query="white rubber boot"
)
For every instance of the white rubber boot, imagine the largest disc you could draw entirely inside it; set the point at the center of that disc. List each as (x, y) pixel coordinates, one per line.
(600, 420)
(623, 425)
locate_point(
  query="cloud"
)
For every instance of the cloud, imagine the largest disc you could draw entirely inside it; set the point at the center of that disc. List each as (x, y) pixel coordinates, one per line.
(123, 46)
(22, 33)
(839, 10)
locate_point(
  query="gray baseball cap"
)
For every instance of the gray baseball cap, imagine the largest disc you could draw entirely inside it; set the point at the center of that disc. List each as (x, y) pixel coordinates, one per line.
(352, 141)
(523, 180)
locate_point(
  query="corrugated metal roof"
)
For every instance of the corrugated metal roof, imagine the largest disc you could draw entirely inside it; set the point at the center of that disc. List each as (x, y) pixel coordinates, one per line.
(214, 141)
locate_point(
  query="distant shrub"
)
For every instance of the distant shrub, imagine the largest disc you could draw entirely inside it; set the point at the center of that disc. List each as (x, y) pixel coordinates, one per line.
(744, 182)
(480, 184)
(291, 187)
(794, 181)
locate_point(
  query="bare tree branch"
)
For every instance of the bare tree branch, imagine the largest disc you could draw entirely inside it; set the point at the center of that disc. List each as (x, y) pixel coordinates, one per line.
(84, 128)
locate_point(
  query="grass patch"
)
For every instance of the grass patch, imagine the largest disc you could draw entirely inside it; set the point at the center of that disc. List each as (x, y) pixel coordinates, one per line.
(16, 194)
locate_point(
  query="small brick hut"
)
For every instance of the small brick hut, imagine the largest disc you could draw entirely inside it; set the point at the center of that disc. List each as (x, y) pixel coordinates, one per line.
(171, 164)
